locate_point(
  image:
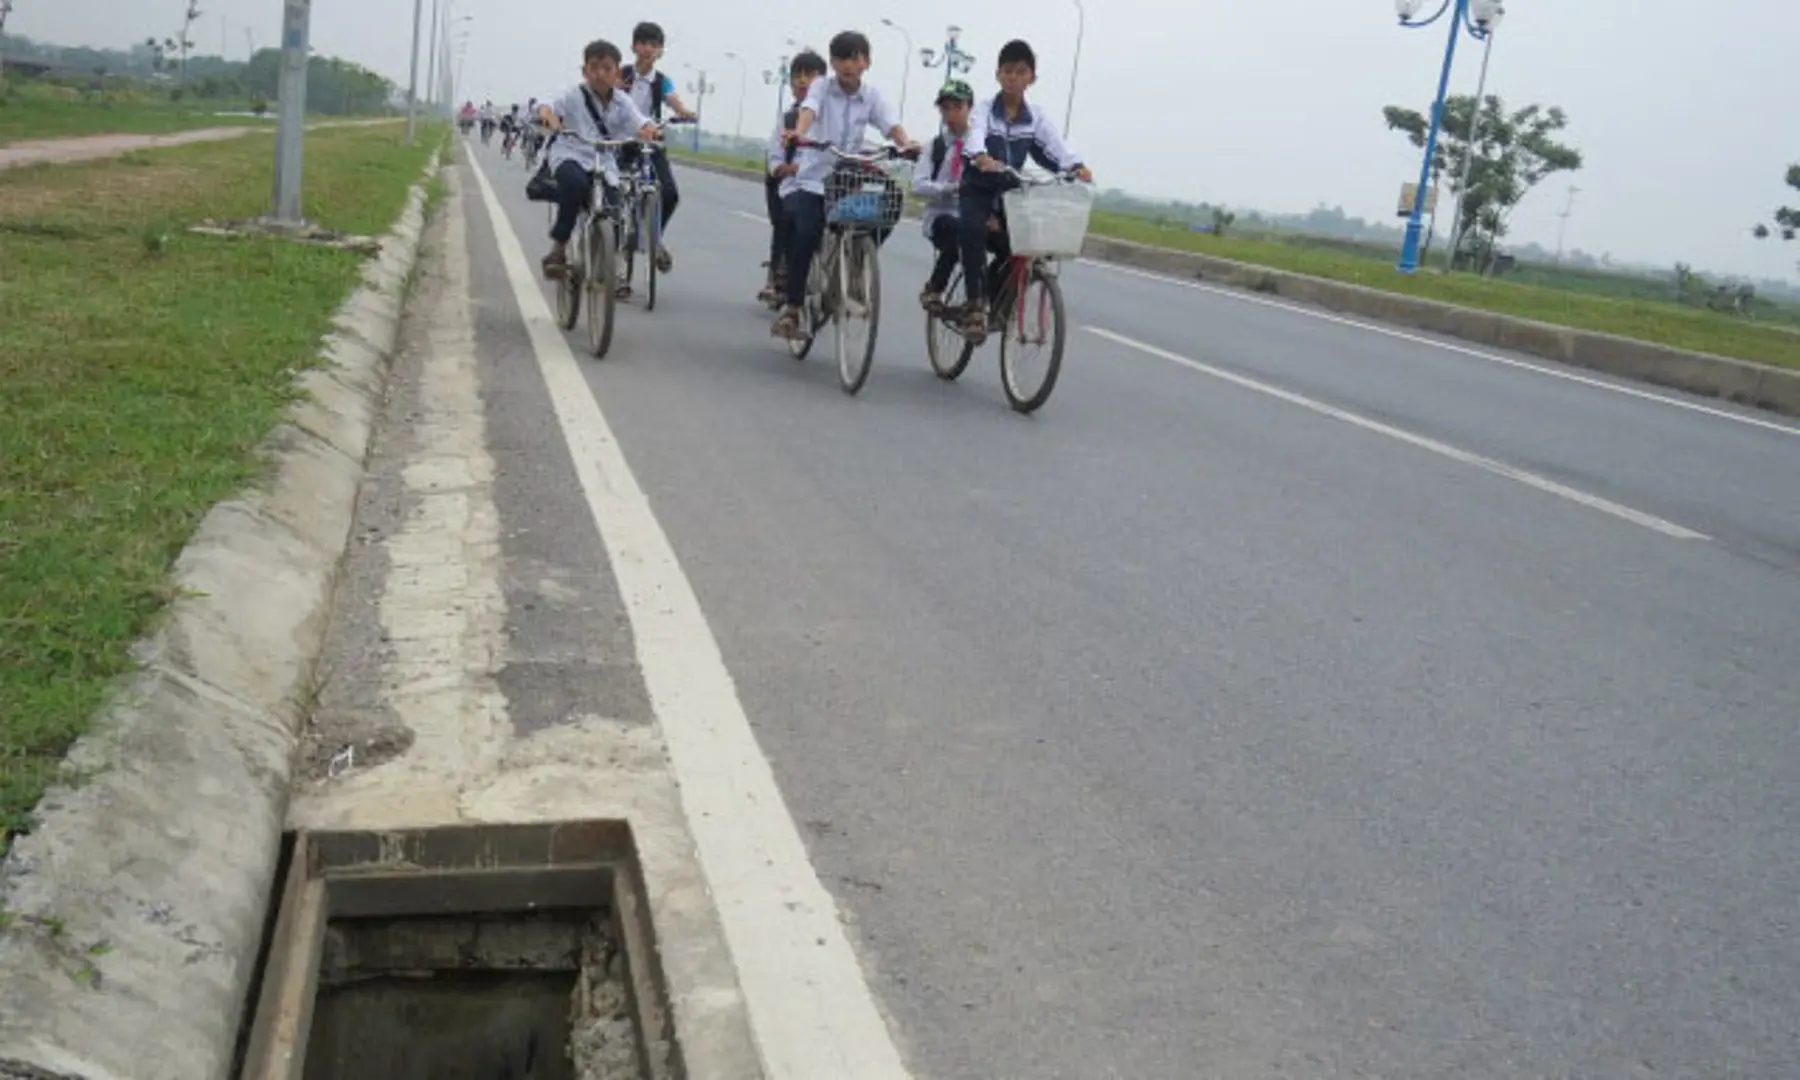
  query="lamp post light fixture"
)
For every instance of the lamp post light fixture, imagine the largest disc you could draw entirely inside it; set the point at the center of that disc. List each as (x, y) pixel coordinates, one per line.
(1476, 18)
(952, 59)
(699, 88)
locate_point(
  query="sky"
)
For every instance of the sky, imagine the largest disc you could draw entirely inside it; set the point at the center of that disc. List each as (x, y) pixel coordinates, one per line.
(1273, 106)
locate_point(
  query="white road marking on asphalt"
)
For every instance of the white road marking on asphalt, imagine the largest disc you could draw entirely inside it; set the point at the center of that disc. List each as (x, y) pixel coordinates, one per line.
(1499, 468)
(812, 1011)
(1419, 339)
(760, 219)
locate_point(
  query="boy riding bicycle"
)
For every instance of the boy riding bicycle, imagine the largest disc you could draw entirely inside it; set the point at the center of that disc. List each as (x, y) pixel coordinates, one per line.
(649, 89)
(938, 179)
(593, 111)
(803, 70)
(836, 111)
(1003, 133)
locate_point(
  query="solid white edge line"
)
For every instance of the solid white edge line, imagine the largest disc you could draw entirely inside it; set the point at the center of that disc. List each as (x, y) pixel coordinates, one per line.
(1499, 468)
(811, 1010)
(760, 219)
(1464, 350)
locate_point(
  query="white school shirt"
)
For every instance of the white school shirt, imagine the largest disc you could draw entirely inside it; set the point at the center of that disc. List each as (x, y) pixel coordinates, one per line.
(622, 118)
(643, 89)
(840, 119)
(937, 185)
(1034, 133)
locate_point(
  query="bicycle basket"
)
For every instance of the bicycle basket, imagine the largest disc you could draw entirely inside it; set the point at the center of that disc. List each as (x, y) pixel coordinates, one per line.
(1049, 219)
(865, 198)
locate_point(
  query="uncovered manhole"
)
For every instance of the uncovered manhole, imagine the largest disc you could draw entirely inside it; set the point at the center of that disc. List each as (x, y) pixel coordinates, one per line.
(511, 952)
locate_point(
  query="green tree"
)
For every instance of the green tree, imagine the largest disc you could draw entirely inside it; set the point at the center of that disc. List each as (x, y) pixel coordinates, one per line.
(1513, 152)
(1787, 218)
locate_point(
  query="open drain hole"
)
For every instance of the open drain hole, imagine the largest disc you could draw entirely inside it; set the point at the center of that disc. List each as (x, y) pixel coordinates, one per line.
(487, 953)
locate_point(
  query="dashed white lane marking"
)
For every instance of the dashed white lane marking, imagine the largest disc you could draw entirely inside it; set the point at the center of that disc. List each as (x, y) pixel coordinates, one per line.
(1499, 468)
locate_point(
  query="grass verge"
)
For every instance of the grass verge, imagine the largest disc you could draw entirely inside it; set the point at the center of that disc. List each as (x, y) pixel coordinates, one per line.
(142, 366)
(29, 112)
(1646, 320)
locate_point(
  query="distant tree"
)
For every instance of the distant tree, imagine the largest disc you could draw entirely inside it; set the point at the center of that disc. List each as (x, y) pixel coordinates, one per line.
(1513, 153)
(1787, 218)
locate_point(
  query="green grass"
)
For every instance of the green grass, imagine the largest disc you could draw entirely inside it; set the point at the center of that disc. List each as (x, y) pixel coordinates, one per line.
(1647, 320)
(142, 365)
(1583, 309)
(42, 111)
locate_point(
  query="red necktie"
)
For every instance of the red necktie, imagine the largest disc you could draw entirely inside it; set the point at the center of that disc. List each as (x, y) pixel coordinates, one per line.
(956, 162)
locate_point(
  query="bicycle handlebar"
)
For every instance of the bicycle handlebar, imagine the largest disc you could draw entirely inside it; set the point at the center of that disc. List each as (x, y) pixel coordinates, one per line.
(885, 152)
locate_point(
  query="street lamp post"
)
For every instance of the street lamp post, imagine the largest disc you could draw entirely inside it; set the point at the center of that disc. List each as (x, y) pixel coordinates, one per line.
(1075, 72)
(906, 68)
(412, 82)
(743, 88)
(1473, 16)
(431, 86)
(953, 59)
(700, 88)
(1462, 182)
(290, 131)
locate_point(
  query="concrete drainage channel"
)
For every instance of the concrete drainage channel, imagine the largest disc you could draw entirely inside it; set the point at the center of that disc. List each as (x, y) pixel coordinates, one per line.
(505, 952)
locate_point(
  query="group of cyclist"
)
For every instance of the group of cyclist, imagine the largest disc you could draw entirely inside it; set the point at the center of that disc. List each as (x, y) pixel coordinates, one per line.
(971, 163)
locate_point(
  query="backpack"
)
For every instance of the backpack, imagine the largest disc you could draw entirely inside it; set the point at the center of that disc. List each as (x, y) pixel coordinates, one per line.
(788, 122)
(939, 147)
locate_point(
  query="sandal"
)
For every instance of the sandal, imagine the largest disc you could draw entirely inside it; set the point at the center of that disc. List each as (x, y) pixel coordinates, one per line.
(787, 326)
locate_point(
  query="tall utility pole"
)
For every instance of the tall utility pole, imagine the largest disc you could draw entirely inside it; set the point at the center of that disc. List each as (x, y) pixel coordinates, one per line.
(1462, 184)
(431, 86)
(905, 68)
(187, 42)
(1562, 229)
(1075, 72)
(412, 84)
(290, 131)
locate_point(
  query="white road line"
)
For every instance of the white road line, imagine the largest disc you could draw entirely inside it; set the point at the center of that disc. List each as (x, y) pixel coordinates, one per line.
(1499, 468)
(1418, 339)
(812, 1012)
(760, 219)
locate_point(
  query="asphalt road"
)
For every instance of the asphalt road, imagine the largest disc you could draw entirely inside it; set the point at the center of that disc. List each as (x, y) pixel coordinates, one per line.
(1186, 729)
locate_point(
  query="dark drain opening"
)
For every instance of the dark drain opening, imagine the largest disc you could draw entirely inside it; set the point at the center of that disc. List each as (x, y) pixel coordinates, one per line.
(494, 953)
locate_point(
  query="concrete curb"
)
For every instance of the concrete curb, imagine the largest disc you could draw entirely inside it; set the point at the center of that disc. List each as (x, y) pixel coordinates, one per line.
(138, 904)
(1762, 385)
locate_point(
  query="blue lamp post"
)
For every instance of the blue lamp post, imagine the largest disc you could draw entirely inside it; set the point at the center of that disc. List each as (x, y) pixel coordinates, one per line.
(1475, 17)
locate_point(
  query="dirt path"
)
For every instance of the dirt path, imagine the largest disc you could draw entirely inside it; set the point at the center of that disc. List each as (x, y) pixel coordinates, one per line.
(101, 146)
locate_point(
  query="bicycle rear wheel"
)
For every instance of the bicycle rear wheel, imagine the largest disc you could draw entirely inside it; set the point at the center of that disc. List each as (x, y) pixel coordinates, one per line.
(858, 313)
(949, 349)
(1031, 344)
(602, 268)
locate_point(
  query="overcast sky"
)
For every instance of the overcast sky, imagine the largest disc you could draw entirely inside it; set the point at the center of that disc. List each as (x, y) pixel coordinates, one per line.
(1683, 109)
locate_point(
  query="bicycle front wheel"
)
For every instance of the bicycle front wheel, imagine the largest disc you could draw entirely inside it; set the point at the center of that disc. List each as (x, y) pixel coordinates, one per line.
(649, 243)
(602, 269)
(858, 312)
(949, 349)
(568, 284)
(1031, 344)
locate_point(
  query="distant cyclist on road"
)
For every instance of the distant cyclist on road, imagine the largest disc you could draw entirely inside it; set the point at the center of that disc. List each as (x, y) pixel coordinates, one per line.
(650, 89)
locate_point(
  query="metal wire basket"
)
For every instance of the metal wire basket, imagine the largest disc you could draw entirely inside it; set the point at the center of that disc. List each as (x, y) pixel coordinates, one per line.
(863, 197)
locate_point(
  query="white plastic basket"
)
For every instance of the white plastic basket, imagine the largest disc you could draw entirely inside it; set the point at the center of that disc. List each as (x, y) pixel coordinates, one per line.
(1049, 219)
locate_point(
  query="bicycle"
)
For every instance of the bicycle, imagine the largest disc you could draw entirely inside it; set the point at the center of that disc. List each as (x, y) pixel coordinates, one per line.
(534, 145)
(1046, 222)
(640, 192)
(845, 284)
(595, 263)
(509, 138)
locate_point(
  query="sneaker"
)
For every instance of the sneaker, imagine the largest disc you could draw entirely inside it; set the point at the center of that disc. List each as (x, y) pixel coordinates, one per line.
(787, 326)
(665, 262)
(932, 301)
(556, 265)
(975, 323)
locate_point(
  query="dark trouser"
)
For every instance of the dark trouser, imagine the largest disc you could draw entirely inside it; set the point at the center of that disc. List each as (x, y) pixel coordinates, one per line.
(806, 226)
(779, 228)
(977, 241)
(946, 239)
(574, 193)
